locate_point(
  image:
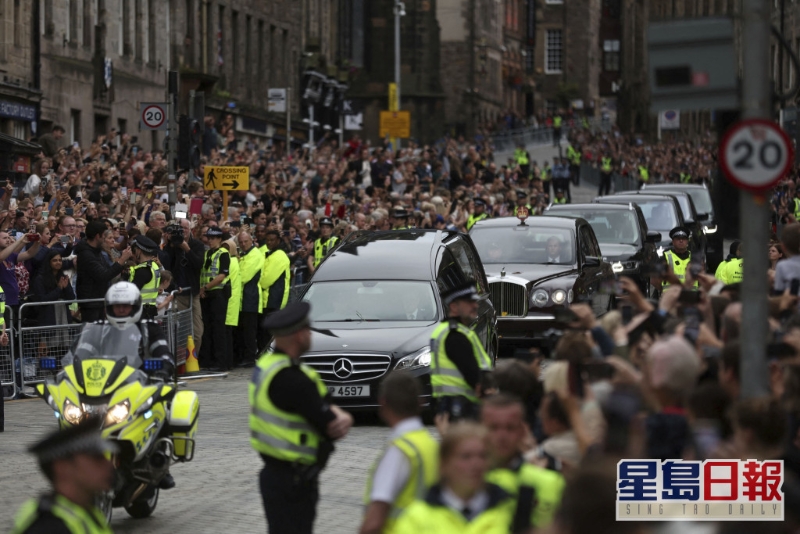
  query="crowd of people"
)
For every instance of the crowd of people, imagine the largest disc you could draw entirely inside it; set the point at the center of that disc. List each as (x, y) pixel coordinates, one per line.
(662, 380)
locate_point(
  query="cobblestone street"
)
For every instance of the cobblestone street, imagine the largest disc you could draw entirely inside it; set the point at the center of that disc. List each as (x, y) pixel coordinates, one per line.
(217, 492)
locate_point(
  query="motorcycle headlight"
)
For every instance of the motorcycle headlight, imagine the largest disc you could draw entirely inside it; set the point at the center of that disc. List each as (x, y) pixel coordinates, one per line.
(559, 296)
(118, 413)
(421, 358)
(72, 413)
(710, 229)
(540, 297)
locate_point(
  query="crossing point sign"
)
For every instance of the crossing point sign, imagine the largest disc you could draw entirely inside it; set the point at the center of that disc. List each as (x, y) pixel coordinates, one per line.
(218, 178)
(756, 154)
(395, 124)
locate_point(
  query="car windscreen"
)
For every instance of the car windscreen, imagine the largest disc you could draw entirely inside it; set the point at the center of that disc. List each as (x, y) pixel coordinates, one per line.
(684, 203)
(659, 214)
(371, 300)
(525, 244)
(618, 226)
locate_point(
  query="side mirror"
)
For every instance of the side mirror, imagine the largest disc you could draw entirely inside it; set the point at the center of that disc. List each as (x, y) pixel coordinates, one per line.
(653, 236)
(688, 222)
(703, 216)
(592, 261)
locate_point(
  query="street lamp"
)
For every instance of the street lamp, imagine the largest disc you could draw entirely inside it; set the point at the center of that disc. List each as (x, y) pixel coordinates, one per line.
(314, 84)
(399, 11)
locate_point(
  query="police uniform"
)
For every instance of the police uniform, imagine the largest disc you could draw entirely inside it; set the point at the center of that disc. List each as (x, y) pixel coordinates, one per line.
(405, 469)
(146, 276)
(678, 263)
(574, 157)
(290, 412)
(322, 247)
(557, 130)
(490, 512)
(215, 349)
(401, 213)
(605, 176)
(537, 490)
(478, 202)
(730, 270)
(54, 513)
(522, 160)
(459, 363)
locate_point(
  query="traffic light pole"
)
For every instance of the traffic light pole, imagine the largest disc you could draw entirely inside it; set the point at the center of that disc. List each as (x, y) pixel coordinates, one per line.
(756, 99)
(172, 99)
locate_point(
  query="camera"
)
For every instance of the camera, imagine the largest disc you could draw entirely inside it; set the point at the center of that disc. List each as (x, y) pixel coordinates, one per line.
(175, 232)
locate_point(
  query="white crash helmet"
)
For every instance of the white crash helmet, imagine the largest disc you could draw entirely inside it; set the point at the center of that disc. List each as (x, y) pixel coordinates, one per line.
(123, 293)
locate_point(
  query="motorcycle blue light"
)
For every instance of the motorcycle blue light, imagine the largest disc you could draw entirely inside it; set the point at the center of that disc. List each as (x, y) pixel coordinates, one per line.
(148, 414)
(58, 415)
(153, 364)
(48, 364)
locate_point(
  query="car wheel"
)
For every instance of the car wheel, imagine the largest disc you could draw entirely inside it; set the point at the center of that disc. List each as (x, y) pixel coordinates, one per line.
(145, 505)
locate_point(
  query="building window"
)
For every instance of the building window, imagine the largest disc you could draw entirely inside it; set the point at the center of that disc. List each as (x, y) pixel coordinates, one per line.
(273, 45)
(17, 23)
(127, 49)
(235, 40)
(122, 126)
(553, 52)
(139, 29)
(248, 28)
(75, 126)
(260, 52)
(285, 58)
(151, 31)
(554, 1)
(611, 55)
(87, 23)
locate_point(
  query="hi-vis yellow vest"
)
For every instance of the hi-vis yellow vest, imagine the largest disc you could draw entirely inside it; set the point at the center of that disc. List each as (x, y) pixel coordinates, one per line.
(320, 250)
(473, 219)
(273, 432)
(207, 275)
(606, 165)
(548, 486)
(446, 379)
(149, 291)
(422, 453)
(77, 519)
(678, 266)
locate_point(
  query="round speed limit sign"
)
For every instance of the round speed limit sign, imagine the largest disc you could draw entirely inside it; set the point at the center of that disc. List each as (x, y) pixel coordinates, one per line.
(755, 154)
(154, 116)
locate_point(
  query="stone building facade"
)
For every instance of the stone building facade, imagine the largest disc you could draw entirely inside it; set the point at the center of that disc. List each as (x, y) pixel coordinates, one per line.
(519, 34)
(567, 59)
(20, 87)
(471, 62)
(367, 46)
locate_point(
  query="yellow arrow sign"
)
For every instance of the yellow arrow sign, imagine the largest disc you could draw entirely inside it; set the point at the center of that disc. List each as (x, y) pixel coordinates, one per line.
(226, 178)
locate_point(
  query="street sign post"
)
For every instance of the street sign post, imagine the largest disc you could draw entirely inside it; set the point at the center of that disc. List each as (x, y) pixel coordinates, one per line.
(219, 178)
(153, 116)
(755, 154)
(395, 124)
(276, 99)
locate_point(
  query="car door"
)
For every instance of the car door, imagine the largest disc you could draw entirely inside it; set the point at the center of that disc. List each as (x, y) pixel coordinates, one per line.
(465, 258)
(590, 275)
(649, 254)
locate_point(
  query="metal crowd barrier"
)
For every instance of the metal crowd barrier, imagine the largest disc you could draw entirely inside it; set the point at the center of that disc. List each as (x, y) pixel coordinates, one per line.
(7, 382)
(532, 136)
(53, 341)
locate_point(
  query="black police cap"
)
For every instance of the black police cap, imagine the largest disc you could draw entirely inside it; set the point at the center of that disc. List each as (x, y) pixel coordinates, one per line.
(521, 194)
(479, 202)
(83, 438)
(146, 244)
(462, 291)
(400, 213)
(292, 318)
(214, 232)
(679, 231)
(326, 221)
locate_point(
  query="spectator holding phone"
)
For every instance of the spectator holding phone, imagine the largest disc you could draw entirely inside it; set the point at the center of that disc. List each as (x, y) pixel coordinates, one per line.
(50, 285)
(94, 275)
(788, 269)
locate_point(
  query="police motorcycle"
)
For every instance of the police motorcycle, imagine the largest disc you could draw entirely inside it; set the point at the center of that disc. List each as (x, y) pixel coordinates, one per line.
(151, 422)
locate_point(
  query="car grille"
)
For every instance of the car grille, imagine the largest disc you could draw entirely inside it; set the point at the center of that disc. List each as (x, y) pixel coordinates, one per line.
(364, 366)
(509, 299)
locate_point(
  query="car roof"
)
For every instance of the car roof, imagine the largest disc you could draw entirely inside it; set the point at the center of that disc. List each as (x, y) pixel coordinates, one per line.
(674, 186)
(547, 221)
(641, 196)
(385, 255)
(591, 206)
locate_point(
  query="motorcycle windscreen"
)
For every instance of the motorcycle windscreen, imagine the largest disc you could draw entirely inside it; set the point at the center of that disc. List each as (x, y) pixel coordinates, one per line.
(106, 342)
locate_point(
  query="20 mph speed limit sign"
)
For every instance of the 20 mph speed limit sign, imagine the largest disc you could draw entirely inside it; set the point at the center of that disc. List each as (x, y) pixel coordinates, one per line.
(755, 154)
(153, 116)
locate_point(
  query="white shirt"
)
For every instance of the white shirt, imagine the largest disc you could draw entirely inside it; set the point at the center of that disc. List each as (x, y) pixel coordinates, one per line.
(554, 260)
(476, 505)
(394, 469)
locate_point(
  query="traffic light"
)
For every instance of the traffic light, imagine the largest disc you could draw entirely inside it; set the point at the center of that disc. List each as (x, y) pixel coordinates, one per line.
(189, 142)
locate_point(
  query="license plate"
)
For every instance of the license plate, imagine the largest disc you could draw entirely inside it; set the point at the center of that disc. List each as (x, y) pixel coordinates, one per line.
(349, 391)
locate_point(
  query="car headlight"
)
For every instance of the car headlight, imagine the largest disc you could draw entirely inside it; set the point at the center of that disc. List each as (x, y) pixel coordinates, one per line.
(421, 358)
(72, 413)
(540, 297)
(617, 267)
(570, 296)
(118, 413)
(559, 296)
(710, 229)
